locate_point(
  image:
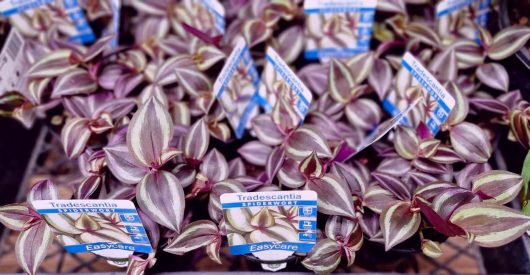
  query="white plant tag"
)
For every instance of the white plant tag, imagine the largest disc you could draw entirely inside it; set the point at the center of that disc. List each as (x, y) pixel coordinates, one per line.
(447, 10)
(281, 83)
(80, 32)
(351, 20)
(13, 65)
(237, 87)
(108, 228)
(270, 225)
(444, 102)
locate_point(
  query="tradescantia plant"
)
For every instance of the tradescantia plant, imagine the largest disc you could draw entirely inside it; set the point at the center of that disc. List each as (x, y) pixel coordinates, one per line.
(143, 125)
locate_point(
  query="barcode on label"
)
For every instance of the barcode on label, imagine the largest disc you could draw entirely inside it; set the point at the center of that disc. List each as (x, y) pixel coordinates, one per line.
(14, 44)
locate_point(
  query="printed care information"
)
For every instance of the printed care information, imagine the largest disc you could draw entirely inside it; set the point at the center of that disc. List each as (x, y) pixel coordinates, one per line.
(108, 228)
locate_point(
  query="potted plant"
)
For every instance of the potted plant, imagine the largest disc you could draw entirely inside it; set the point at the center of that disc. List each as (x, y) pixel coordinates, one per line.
(143, 125)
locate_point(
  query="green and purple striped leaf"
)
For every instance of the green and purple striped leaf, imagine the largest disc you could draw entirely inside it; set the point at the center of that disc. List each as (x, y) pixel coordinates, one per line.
(494, 75)
(333, 196)
(398, 223)
(160, 196)
(490, 225)
(16, 216)
(471, 142)
(149, 133)
(508, 41)
(255, 152)
(75, 135)
(196, 141)
(497, 186)
(123, 165)
(51, 65)
(324, 257)
(74, 82)
(32, 246)
(194, 235)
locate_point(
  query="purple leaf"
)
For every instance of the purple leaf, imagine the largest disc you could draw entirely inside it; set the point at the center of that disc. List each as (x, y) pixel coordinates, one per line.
(122, 165)
(398, 223)
(236, 168)
(16, 216)
(255, 152)
(381, 77)
(266, 130)
(194, 235)
(406, 142)
(43, 190)
(304, 141)
(394, 185)
(214, 166)
(88, 186)
(74, 136)
(32, 246)
(508, 41)
(490, 225)
(497, 186)
(333, 196)
(160, 196)
(51, 65)
(274, 162)
(289, 175)
(196, 141)
(471, 142)
(149, 133)
(494, 75)
(467, 174)
(324, 257)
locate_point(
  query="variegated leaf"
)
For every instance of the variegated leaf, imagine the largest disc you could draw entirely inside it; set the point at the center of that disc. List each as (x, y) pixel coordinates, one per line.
(444, 154)
(393, 184)
(207, 56)
(149, 133)
(312, 167)
(214, 166)
(256, 31)
(266, 130)
(406, 142)
(274, 163)
(236, 168)
(214, 204)
(194, 235)
(136, 265)
(255, 152)
(471, 142)
(494, 75)
(192, 80)
(466, 175)
(363, 113)
(333, 196)
(381, 77)
(51, 65)
(32, 246)
(324, 257)
(377, 198)
(354, 176)
(160, 196)
(444, 65)
(423, 33)
(75, 135)
(291, 43)
(289, 175)
(340, 81)
(88, 186)
(16, 216)
(123, 165)
(43, 190)
(339, 229)
(362, 65)
(461, 109)
(196, 141)
(497, 186)
(490, 225)
(398, 223)
(447, 201)
(394, 166)
(304, 141)
(431, 248)
(508, 41)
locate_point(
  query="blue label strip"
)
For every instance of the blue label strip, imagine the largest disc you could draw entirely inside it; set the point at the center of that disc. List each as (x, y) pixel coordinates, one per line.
(85, 210)
(363, 39)
(264, 246)
(76, 14)
(80, 248)
(24, 6)
(390, 108)
(268, 203)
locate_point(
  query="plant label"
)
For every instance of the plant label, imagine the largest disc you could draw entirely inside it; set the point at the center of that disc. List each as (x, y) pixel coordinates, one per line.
(338, 28)
(448, 10)
(237, 87)
(270, 225)
(282, 86)
(12, 62)
(210, 13)
(80, 32)
(114, 27)
(108, 228)
(443, 101)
